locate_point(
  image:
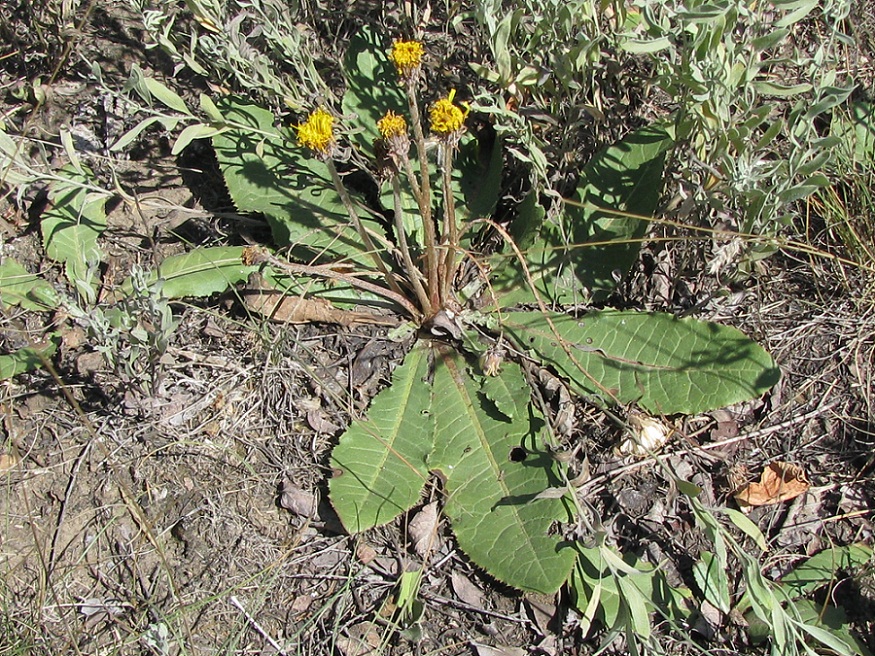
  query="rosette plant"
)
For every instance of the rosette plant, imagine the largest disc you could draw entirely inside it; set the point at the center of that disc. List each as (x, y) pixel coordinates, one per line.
(459, 407)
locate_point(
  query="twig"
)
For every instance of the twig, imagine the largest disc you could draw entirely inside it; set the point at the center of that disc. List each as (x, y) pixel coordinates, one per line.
(63, 510)
(255, 625)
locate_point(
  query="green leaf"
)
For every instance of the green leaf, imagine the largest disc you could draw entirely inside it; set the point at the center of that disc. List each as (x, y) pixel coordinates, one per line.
(591, 574)
(71, 225)
(380, 462)
(209, 108)
(372, 87)
(747, 527)
(829, 625)
(338, 293)
(639, 617)
(781, 90)
(642, 46)
(201, 272)
(133, 133)
(857, 131)
(665, 364)
(494, 470)
(27, 290)
(27, 358)
(711, 579)
(586, 597)
(597, 575)
(267, 174)
(16, 170)
(822, 568)
(576, 258)
(196, 131)
(167, 97)
(477, 177)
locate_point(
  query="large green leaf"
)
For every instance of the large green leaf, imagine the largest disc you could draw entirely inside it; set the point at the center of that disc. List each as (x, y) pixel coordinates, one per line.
(20, 287)
(71, 225)
(495, 466)
(267, 174)
(380, 462)
(665, 364)
(201, 272)
(576, 255)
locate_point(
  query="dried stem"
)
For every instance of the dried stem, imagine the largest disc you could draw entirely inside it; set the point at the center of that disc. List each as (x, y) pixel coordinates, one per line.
(255, 255)
(413, 274)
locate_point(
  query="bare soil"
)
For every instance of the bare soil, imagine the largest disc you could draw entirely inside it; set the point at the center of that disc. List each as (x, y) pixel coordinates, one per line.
(178, 506)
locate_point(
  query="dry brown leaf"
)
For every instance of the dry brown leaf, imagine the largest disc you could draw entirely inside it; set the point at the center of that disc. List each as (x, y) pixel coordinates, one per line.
(466, 590)
(363, 639)
(298, 501)
(541, 610)
(498, 650)
(780, 481)
(259, 297)
(423, 529)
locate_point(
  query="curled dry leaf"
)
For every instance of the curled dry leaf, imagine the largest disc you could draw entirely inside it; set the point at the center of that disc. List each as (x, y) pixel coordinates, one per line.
(466, 590)
(259, 297)
(298, 501)
(423, 529)
(780, 481)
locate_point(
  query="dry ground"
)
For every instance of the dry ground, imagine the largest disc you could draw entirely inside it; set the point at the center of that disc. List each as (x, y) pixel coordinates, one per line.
(180, 502)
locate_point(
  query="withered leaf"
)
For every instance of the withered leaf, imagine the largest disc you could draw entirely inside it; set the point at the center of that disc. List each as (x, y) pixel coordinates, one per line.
(780, 481)
(466, 590)
(423, 529)
(259, 297)
(298, 501)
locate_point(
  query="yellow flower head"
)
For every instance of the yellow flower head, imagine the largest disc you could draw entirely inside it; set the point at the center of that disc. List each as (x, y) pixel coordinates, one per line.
(446, 118)
(317, 132)
(392, 125)
(407, 57)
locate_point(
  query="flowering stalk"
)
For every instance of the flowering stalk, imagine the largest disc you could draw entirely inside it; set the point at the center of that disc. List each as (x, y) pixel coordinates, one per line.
(407, 57)
(393, 155)
(423, 197)
(451, 231)
(317, 134)
(448, 122)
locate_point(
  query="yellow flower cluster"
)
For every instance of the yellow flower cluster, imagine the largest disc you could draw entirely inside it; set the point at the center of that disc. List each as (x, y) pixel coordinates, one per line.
(392, 125)
(317, 132)
(446, 118)
(407, 57)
